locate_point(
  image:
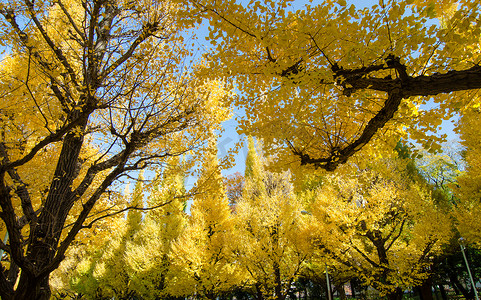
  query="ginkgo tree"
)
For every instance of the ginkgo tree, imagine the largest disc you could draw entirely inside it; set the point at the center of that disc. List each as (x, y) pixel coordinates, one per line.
(323, 81)
(133, 260)
(468, 185)
(107, 273)
(113, 76)
(273, 238)
(202, 257)
(381, 225)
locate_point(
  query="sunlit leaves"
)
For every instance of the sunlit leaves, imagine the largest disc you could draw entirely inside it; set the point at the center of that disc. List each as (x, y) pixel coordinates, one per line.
(286, 66)
(467, 187)
(380, 224)
(273, 237)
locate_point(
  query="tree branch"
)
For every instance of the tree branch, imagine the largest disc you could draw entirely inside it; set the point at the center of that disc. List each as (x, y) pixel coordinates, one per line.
(78, 224)
(72, 22)
(51, 138)
(57, 51)
(397, 236)
(340, 156)
(147, 31)
(352, 80)
(20, 188)
(373, 263)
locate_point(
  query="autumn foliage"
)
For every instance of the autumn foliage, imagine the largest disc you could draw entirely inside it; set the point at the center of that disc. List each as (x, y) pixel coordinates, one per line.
(345, 168)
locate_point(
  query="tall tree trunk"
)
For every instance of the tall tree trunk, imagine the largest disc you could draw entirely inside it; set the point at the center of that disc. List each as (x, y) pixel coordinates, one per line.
(278, 282)
(32, 288)
(341, 291)
(397, 294)
(444, 296)
(425, 290)
(45, 235)
(353, 290)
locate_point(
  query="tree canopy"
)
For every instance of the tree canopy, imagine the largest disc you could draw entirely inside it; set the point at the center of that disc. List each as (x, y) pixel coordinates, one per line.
(325, 81)
(91, 90)
(95, 91)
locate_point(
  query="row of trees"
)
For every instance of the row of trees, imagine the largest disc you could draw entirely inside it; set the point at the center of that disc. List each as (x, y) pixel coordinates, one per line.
(385, 227)
(93, 91)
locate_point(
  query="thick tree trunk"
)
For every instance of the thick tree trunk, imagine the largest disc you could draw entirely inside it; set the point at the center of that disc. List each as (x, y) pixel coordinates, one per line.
(425, 290)
(353, 289)
(444, 296)
(278, 283)
(397, 294)
(32, 288)
(45, 234)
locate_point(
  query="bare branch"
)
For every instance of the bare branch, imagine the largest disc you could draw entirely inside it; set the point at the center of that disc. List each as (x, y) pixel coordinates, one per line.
(147, 31)
(32, 95)
(89, 225)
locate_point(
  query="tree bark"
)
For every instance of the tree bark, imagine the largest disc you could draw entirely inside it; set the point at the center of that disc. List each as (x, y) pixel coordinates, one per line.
(278, 282)
(397, 89)
(425, 290)
(32, 288)
(353, 290)
(397, 294)
(444, 296)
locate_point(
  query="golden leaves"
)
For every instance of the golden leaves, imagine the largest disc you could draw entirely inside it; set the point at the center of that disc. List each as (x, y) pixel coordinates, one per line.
(284, 68)
(382, 220)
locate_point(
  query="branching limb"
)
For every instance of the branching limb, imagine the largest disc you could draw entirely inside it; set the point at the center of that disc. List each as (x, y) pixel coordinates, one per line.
(9, 218)
(372, 262)
(78, 224)
(397, 235)
(56, 50)
(20, 187)
(49, 139)
(147, 31)
(90, 224)
(72, 22)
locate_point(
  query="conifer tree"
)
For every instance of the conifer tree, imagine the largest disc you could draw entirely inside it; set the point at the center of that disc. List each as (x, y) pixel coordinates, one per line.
(468, 188)
(272, 235)
(202, 256)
